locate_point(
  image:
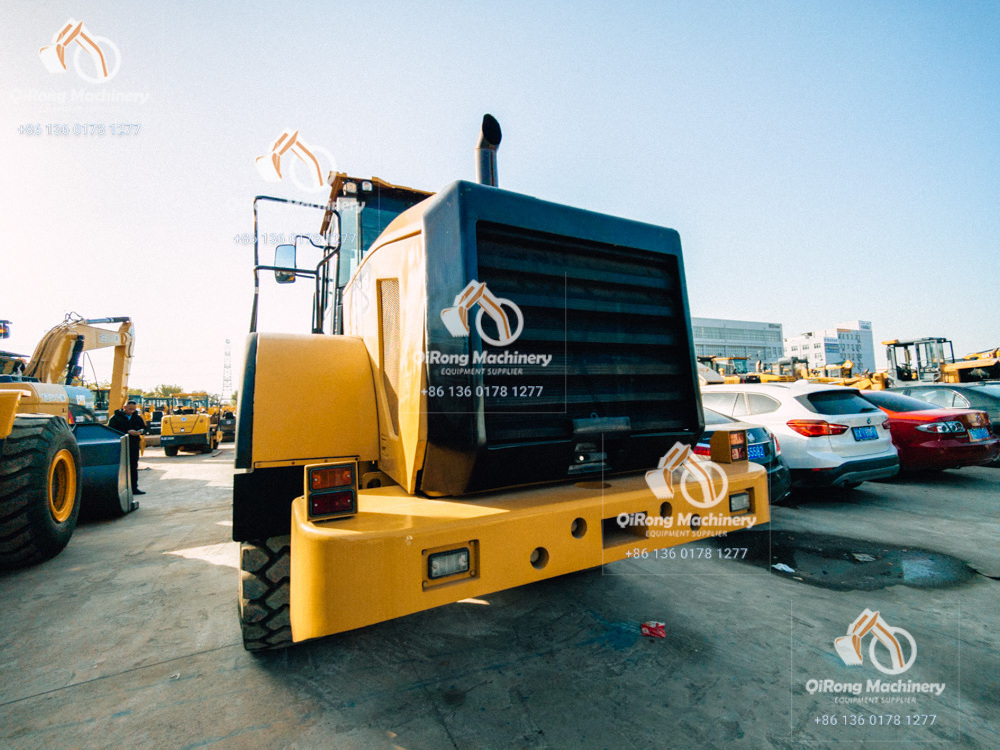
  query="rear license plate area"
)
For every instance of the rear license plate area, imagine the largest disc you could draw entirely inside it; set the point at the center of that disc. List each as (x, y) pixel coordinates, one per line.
(865, 433)
(978, 433)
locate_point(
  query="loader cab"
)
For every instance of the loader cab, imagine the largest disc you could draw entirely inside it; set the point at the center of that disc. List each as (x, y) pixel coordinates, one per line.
(357, 212)
(365, 207)
(919, 360)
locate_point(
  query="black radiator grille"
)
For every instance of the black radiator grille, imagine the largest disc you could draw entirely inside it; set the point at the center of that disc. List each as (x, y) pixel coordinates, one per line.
(612, 317)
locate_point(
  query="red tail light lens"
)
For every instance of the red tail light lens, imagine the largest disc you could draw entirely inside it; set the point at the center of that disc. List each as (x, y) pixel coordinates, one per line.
(702, 450)
(333, 502)
(816, 427)
(777, 445)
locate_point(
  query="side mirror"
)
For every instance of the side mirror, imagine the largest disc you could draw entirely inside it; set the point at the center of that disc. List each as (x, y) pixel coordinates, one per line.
(284, 257)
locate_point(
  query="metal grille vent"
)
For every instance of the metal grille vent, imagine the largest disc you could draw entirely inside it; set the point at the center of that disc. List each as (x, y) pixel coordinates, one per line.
(613, 318)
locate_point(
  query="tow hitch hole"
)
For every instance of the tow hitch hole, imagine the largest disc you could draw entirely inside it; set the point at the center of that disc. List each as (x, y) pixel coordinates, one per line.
(666, 510)
(579, 528)
(539, 558)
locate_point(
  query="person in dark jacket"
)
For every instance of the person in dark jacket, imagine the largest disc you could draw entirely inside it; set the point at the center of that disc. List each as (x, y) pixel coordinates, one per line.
(128, 421)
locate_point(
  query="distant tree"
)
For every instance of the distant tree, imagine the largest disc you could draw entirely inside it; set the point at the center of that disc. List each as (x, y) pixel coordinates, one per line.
(164, 390)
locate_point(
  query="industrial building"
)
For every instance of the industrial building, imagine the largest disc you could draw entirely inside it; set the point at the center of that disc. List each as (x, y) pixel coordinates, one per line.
(737, 338)
(832, 346)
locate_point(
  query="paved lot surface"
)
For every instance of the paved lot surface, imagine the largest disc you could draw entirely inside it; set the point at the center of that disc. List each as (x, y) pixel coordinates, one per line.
(129, 638)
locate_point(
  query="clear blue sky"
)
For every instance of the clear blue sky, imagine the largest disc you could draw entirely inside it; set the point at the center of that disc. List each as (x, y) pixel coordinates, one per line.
(821, 161)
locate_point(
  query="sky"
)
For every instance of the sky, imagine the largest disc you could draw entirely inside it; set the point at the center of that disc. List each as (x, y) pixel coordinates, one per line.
(822, 162)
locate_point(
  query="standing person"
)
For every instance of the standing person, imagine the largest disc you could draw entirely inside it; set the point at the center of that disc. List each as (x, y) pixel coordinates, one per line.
(128, 421)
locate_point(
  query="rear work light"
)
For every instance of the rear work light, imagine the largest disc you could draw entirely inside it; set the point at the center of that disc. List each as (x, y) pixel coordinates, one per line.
(816, 427)
(942, 427)
(331, 490)
(444, 564)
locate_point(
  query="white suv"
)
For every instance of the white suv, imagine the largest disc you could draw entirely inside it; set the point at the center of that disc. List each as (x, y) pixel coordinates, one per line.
(829, 435)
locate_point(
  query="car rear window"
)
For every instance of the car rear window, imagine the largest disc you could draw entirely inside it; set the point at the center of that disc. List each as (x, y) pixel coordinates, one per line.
(713, 417)
(724, 403)
(895, 401)
(837, 402)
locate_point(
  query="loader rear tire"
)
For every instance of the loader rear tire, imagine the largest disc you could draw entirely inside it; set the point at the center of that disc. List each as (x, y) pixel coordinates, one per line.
(265, 586)
(40, 487)
(170, 450)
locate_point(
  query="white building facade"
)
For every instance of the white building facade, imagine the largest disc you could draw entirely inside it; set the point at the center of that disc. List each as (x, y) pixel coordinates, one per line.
(832, 346)
(737, 338)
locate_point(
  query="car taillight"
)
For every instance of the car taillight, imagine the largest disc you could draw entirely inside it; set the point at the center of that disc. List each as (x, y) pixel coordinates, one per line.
(702, 450)
(777, 445)
(816, 427)
(886, 425)
(942, 427)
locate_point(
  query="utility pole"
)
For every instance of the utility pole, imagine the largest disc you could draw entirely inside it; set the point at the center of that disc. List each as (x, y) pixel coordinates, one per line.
(227, 376)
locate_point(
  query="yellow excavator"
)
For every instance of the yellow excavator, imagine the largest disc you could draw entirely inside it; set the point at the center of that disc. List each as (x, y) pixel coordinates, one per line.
(494, 390)
(56, 459)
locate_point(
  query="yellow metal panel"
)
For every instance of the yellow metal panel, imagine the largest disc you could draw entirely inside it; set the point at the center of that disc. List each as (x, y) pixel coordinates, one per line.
(184, 424)
(353, 572)
(40, 398)
(313, 398)
(8, 409)
(399, 259)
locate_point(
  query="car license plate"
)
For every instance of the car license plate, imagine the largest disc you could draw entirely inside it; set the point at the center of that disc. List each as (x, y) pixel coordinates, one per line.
(756, 452)
(978, 433)
(865, 433)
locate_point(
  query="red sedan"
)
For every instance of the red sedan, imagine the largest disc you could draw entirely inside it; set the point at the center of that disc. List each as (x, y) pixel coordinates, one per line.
(929, 437)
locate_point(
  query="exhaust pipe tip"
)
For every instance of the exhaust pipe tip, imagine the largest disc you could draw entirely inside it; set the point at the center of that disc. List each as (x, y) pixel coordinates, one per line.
(486, 151)
(489, 133)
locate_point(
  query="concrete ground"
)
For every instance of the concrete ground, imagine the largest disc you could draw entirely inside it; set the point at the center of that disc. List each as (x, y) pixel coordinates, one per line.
(129, 638)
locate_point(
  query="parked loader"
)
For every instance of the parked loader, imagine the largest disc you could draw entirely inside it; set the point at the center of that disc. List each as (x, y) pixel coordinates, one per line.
(495, 390)
(56, 460)
(187, 429)
(932, 360)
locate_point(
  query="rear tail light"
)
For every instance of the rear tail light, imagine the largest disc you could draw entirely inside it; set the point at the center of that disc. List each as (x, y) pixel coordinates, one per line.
(334, 502)
(333, 476)
(728, 446)
(886, 425)
(816, 427)
(777, 445)
(942, 427)
(702, 450)
(331, 490)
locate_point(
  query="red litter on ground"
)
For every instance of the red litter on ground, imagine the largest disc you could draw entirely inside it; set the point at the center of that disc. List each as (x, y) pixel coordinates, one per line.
(654, 629)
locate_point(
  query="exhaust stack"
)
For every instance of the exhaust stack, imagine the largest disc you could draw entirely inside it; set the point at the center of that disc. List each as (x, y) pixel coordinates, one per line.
(486, 151)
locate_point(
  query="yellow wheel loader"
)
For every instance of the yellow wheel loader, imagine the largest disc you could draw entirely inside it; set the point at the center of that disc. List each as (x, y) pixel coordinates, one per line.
(932, 360)
(495, 390)
(189, 430)
(56, 460)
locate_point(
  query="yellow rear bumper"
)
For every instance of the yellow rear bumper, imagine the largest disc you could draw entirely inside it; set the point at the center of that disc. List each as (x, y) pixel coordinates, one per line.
(352, 572)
